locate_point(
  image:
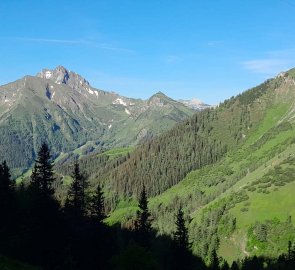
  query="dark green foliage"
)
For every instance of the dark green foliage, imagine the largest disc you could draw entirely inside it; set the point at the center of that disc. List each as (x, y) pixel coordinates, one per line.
(215, 261)
(248, 97)
(275, 177)
(7, 207)
(46, 237)
(181, 244)
(268, 238)
(134, 257)
(75, 202)
(261, 232)
(188, 148)
(7, 186)
(180, 236)
(143, 221)
(96, 205)
(42, 176)
(234, 266)
(205, 236)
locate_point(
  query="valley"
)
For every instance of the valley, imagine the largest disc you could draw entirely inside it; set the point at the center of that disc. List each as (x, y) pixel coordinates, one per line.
(230, 168)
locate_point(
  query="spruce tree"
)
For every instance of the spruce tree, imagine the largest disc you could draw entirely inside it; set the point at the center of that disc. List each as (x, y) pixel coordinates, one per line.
(42, 175)
(235, 266)
(143, 220)
(6, 184)
(181, 255)
(75, 202)
(181, 234)
(214, 260)
(7, 207)
(43, 221)
(96, 206)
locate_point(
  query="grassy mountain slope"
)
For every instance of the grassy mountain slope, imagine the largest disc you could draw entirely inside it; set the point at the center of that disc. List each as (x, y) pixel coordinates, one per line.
(60, 107)
(230, 201)
(195, 143)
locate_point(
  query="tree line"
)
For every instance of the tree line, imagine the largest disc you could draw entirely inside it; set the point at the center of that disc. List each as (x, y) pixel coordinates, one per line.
(35, 228)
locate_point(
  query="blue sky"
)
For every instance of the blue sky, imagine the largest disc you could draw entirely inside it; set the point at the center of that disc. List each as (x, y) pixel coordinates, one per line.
(209, 49)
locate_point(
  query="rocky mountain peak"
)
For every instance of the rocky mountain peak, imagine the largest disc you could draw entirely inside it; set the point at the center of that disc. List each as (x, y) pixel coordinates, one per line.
(158, 99)
(195, 104)
(61, 75)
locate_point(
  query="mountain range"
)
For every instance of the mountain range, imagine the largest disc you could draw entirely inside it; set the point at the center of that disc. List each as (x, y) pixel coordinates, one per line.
(231, 168)
(61, 107)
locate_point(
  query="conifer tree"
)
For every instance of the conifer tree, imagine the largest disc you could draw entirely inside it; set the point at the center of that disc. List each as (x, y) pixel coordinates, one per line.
(6, 202)
(235, 266)
(181, 256)
(76, 195)
(181, 234)
(143, 221)
(44, 220)
(96, 207)
(6, 184)
(42, 175)
(214, 260)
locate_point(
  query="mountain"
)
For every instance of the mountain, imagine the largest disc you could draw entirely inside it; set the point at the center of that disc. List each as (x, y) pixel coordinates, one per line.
(231, 168)
(195, 104)
(61, 107)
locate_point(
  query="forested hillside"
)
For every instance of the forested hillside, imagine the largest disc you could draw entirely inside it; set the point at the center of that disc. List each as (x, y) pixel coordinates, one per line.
(249, 187)
(37, 232)
(199, 141)
(213, 165)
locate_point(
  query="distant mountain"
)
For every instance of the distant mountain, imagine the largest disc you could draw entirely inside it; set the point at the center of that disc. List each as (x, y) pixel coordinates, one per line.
(195, 104)
(61, 107)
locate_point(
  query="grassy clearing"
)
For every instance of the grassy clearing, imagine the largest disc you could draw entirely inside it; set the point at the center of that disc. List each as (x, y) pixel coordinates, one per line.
(116, 152)
(278, 204)
(272, 117)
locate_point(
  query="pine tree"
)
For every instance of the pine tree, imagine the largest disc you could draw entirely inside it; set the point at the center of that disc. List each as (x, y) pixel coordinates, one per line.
(75, 202)
(6, 184)
(214, 260)
(143, 221)
(181, 255)
(42, 175)
(235, 266)
(7, 189)
(96, 207)
(181, 234)
(44, 220)
(7, 204)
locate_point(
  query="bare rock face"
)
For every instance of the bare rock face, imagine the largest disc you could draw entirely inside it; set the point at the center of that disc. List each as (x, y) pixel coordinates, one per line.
(61, 75)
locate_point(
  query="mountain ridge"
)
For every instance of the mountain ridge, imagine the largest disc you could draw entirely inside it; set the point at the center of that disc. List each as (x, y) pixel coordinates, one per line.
(62, 107)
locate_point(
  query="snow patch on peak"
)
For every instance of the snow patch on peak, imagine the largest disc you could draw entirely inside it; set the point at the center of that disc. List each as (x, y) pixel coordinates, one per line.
(120, 101)
(61, 75)
(195, 104)
(48, 74)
